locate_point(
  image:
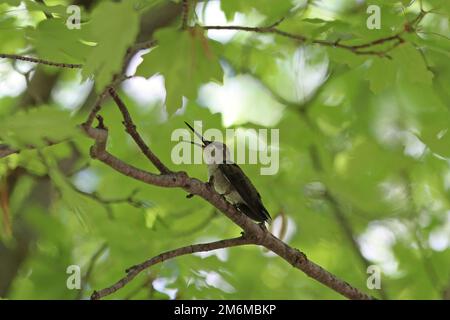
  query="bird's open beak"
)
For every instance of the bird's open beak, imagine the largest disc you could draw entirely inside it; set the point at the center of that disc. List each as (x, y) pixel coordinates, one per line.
(204, 141)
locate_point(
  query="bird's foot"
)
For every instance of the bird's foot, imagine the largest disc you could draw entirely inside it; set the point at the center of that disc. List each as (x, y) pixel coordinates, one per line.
(262, 225)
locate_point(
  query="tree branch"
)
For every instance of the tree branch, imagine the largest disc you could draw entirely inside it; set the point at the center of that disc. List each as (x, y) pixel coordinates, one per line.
(135, 270)
(41, 61)
(341, 219)
(91, 265)
(254, 233)
(396, 39)
(130, 128)
(356, 49)
(185, 14)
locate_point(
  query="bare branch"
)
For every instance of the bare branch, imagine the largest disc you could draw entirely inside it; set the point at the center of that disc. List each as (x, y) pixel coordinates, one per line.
(356, 49)
(135, 270)
(41, 61)
(48, 15)
(130, 128)
(349, 234)
(90, 268)
(131, 52)
(106, 203)
(6, 150)
(95, 109)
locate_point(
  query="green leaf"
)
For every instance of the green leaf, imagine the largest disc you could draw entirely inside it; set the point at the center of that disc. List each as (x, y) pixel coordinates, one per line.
(266, 7)
(435, 132)
(54, 41)
(382, 74)
(186, 60)
(411, 66)
(11, 36)
(14, 3)
(59, 10)
(37, 127)
(109, 20)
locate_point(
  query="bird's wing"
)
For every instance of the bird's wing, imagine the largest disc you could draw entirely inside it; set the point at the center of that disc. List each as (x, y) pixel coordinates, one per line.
(245, 188)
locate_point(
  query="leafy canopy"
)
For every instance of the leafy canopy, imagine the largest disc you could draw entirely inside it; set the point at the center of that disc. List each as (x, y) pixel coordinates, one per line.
(363, 118)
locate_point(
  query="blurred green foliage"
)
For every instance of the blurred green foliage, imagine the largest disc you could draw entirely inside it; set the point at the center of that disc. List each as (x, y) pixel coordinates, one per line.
(364, 151)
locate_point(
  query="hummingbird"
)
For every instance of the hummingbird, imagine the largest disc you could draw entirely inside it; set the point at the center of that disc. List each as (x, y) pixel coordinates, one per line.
(230, 181)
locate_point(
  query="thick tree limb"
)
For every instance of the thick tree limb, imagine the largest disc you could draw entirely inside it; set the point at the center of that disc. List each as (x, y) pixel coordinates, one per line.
(135, 270)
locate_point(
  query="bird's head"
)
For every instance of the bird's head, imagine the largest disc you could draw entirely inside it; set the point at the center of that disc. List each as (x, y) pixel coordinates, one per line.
(214, 152)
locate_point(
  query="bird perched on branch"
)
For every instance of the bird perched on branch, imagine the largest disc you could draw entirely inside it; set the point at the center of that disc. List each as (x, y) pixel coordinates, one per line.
(229, 180)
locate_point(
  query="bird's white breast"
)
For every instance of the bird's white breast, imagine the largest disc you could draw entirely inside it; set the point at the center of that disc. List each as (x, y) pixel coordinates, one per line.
(223, 186)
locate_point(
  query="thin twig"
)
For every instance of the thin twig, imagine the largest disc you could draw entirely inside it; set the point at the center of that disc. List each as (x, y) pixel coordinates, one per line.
(130, 128)
(135, 270)
(412, 224)
(41, 61)
(91, 265)
(349, 234)
(48, 15)
(341, 219)
(108, 202)
(95, 109)
(5, 206)
(6, 150)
